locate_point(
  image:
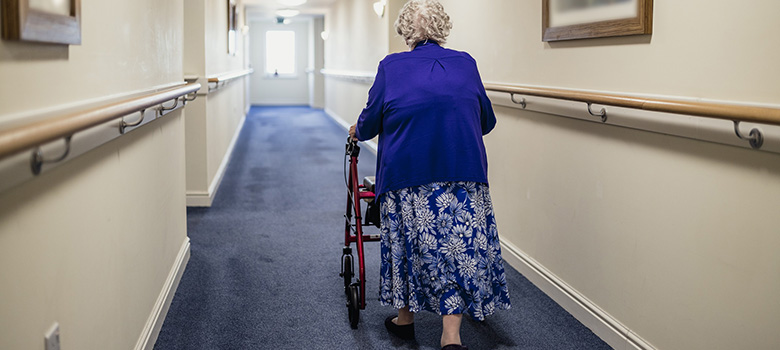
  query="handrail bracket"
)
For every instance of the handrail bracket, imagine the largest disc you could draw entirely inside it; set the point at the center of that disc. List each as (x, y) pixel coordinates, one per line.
(521, 102)
(756, 138)
(37, 160)
(601, 114)
(184, 98)
(123, 124)
(164, 109)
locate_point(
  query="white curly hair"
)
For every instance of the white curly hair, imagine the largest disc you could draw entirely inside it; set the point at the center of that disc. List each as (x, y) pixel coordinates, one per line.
(421, 20)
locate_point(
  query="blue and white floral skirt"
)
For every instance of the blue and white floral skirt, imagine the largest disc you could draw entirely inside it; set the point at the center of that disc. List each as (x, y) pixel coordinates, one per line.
(440, 250)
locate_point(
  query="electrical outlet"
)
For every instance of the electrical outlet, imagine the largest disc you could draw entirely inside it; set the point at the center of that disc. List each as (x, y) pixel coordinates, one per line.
(53, 337)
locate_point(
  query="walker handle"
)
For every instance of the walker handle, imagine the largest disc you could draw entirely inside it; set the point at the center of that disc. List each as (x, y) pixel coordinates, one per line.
(352, 147)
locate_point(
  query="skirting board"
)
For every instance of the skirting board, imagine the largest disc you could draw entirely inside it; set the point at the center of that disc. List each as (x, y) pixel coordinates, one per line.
(154, 323)
(370, 144)
(204, 199)
(597, 320)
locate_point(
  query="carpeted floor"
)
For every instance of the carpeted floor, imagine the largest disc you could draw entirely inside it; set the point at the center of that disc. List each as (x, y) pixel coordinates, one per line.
(263, 272)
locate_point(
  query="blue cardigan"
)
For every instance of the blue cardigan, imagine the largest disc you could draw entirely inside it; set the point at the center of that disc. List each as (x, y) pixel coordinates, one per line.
(430, 110)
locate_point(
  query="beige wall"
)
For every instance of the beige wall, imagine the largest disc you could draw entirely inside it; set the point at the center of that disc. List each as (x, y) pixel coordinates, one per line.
(673, 238)
(358, 39)
(218, 60)
(140, 51)
(198, 179)
(91, 243)
(225, 118)
(345, 99)
(90, 246)
(194, 38)
(316, 63)
(394, 42)
(723, 52)
(217, 115)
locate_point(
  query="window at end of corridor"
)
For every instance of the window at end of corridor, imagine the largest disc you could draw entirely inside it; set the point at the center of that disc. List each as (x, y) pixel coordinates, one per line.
(280, 53)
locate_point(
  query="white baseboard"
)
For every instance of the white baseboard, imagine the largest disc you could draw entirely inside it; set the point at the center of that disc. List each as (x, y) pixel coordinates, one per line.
(370, 144)
(199, 199)
(154, 323)
(204, 199)
(597, 320)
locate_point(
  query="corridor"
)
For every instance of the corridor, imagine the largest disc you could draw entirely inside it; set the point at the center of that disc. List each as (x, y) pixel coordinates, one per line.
(172, 172)
(265, 258)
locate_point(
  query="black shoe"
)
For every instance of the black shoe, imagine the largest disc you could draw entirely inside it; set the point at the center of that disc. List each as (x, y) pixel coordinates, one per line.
(454, 347)
(405, 332)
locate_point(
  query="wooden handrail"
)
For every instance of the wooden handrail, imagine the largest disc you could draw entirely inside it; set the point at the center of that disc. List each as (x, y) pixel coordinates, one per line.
(32, 135)
(221, 78)
(754, 114)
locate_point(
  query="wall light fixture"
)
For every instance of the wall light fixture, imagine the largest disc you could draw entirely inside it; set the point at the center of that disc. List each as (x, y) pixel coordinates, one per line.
(379, 8)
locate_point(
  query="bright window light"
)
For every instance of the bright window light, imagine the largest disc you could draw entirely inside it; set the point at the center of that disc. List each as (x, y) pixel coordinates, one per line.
(280, 52)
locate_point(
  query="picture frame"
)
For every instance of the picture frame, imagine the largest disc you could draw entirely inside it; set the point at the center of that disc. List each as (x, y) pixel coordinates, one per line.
(586, 19)
(232, 27)
(44, 21)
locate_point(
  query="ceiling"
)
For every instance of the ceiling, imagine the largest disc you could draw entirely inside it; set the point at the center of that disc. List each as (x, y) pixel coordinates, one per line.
(263, 8)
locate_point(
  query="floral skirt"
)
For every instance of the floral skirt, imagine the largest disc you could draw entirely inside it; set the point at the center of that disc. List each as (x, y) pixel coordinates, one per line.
(440, 250)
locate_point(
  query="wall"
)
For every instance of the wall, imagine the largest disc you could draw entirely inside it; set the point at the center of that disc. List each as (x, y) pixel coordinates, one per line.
(218, 61)
(669, 236)
(394, 42)
(94, 243)
(218, 114)
(357, 40)
(672, 238)
(316, 63)
(225, 118)
(718, 54)
(194, 60)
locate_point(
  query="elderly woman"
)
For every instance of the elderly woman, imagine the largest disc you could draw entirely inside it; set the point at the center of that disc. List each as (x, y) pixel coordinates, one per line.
(440, 248)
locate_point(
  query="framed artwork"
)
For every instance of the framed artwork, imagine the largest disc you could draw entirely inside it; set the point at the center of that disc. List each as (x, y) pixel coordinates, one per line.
(232, 26)
(584, 19)
(46, 21)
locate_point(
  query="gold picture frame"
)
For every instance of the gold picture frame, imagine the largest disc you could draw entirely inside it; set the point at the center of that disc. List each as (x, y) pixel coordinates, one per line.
(46, 21)
(596, 18)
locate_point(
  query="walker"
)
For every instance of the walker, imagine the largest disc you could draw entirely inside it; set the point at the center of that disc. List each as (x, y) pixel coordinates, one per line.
(353, 232)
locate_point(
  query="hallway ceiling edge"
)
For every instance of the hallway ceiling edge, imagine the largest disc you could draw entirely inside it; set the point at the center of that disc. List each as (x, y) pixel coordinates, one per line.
(263, 8)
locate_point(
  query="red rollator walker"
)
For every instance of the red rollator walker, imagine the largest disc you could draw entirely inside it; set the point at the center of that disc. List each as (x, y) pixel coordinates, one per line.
(353, 232)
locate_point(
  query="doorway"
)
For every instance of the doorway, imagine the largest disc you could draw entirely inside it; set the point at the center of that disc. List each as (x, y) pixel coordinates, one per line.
(279, 54)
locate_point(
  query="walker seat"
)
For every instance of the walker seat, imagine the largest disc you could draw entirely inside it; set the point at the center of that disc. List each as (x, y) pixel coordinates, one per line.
(370, 183)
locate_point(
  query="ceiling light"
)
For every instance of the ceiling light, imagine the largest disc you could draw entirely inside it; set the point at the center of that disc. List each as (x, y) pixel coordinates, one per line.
(287, 12)
(291, 2)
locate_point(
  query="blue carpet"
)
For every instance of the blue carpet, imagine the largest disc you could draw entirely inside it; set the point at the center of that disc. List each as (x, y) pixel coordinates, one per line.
(263, 272)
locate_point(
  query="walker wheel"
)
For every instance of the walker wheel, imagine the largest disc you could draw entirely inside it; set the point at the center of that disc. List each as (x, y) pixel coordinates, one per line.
(347, 273)
(353, 305)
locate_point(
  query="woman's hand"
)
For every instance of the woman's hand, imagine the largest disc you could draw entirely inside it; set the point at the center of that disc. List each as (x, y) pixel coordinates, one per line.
(352, 132)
